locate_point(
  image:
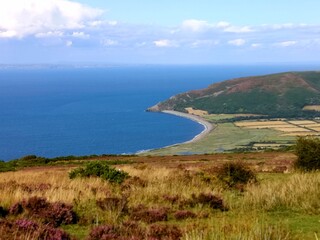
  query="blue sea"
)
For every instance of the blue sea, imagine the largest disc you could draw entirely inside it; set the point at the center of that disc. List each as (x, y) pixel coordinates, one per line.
(55, 111)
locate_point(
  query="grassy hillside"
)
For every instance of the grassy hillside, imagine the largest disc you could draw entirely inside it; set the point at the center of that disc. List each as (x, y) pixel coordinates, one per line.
(276, 95)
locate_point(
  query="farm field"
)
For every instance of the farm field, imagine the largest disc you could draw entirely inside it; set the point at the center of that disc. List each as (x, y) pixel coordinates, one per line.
(286, 127)
(164, 185)
(229, 136)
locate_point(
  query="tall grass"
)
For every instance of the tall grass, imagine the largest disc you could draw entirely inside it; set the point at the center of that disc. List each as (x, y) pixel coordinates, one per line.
(172, 189)
(299, 192)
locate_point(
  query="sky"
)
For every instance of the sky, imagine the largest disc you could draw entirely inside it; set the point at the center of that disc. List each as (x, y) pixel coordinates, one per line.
(159, 32)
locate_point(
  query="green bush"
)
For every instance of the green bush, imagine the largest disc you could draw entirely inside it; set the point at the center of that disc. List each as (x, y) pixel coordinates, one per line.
(236, 173)
(99, 169)
(307, 150)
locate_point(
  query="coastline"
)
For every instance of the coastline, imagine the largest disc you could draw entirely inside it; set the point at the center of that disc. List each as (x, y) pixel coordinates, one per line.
(208, 127)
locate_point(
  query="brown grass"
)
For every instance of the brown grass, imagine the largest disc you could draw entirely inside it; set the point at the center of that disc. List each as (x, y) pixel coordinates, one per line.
(301, 122)
(196, 112)
(169, 184)
(312, 107)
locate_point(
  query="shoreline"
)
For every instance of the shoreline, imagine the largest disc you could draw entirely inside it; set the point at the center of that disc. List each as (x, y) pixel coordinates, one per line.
(208, 127)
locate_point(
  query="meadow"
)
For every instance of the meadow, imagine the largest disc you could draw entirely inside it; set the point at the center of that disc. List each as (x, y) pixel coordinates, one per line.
(165, 197)
(227, 136)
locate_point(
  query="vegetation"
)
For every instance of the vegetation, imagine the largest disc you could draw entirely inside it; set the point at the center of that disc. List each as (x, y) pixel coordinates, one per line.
(173, 197)
(236, 174)
(276, 95)
(99, 169)
(226, 137)
(33, 160)
(308, 152)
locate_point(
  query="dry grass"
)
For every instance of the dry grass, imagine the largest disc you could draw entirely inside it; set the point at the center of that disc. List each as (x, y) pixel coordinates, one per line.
(301, 134)
(258, 123)
(289, 128)
(312, 108)
(270, 126)
(315, 128)
(298, 192)
(292, 129)
(196, 112)
(169, 183)
(301, 122)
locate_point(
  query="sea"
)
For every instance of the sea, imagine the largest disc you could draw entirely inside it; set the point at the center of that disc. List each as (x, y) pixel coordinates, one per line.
(62, 110)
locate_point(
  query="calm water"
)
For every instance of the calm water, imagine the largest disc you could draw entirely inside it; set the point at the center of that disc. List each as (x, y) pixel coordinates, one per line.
(80, 111)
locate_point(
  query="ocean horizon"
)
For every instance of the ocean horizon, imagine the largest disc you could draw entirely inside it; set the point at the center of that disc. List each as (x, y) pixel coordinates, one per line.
(62, 110)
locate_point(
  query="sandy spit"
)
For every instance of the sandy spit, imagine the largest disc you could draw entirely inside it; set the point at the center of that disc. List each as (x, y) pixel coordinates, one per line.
(208, 127)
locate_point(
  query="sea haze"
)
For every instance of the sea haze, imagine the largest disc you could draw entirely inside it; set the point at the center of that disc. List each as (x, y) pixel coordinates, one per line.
(58, 111)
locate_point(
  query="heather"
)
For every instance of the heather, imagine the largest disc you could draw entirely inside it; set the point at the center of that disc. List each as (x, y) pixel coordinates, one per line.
(174, 197)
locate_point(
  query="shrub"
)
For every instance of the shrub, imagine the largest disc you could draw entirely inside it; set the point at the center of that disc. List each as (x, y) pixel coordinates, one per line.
(26, 229)
(235, 173)
(307, 150)
(113, 204)
(141, 213)
(171, 198)
(26, 224)
(59, 213)
(53, 214)
(107, 232)
(51, 233)
(184, 214)
(128, 231)
(99, 169)
(3, 212)
(162, 231)
(35, 205)
(210, 200)
(16, 209)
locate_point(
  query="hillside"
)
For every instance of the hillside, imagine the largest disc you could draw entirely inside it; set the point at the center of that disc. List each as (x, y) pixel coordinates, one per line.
(276, 95)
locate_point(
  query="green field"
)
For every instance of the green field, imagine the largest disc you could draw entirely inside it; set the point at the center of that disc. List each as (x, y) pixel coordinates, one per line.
(225, 137)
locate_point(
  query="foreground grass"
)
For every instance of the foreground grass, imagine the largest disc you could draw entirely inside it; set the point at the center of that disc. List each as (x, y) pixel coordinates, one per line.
(280, 206)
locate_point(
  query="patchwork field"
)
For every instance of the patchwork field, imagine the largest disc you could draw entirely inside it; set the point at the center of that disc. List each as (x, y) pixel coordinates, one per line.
(287, 128)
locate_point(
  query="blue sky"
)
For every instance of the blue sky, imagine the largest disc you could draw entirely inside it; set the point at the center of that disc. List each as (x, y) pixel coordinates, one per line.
(165, 32)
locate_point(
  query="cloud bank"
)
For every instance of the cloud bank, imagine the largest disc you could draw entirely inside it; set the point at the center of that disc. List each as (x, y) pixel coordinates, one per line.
(83, 30)
(23, 18)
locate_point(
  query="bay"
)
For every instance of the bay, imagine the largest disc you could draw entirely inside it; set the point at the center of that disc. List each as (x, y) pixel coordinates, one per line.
(55, 111)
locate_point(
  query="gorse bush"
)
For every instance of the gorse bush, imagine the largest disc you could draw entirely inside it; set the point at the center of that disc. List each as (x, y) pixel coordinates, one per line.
(307, 150)
(99, 169)
(236, 173)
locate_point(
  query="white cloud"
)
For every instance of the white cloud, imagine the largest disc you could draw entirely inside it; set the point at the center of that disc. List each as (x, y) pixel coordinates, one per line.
(49, 34)
(165, 43)
(69, 43)
(234, 29)
(200, 25)
(286, 43)
(30, 17)
(256, 45)
(223, 24)
(80, 35)
(237, 42)
(203, 43)
(7, 34)
(109, 42)
(195, 25)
